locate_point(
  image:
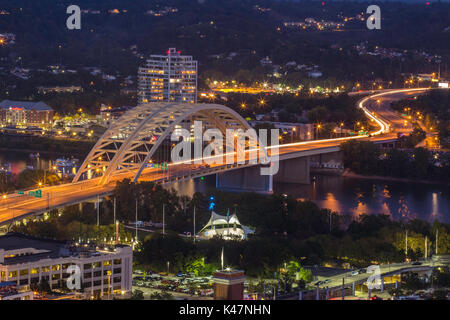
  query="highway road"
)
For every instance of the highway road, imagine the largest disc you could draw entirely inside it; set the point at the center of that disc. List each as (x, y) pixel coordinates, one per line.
(385, 270)
(376, 107)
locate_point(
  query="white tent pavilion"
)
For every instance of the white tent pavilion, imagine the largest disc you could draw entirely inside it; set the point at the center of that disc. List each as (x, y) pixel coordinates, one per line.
(227, 227)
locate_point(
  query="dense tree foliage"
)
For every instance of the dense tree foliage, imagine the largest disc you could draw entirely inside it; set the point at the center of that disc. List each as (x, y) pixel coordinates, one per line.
(364, 157)
(119, 42)
(434, 107)
(286, 231)
(65, 147)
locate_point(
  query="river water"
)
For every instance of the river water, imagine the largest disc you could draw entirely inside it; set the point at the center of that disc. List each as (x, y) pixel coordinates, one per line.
(349, 196)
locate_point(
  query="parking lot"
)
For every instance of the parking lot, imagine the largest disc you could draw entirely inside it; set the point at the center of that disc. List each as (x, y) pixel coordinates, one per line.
(181, 286)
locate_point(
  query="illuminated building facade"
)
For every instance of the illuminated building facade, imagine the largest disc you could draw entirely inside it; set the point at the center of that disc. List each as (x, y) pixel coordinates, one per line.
(170, 77)
(105, 271)
(228, 227)
(25, 114)
(229, 284)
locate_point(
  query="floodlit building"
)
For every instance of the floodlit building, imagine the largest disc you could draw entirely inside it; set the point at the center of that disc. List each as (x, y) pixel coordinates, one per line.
(25, 114)
(104, 271)
(229, 284)
(58, 89)
(171, 77)
(11, 291)
(227, 227)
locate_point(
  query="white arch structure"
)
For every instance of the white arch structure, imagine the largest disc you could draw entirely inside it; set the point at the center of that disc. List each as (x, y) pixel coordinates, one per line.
(131, 141)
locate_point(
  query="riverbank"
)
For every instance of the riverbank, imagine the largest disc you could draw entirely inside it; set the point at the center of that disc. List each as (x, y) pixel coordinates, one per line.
(350, 174)
(45, 145)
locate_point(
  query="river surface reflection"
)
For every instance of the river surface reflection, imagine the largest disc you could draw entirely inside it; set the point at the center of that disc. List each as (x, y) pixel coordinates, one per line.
(349, 196)
(354, 197)
(400, 200)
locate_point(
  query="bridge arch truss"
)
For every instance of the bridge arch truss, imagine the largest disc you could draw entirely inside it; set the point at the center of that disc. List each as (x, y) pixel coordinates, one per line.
(131, 141)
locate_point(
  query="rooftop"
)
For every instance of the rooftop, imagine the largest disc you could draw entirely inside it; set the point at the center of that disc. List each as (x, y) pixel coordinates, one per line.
(27, 105)
(23, 249)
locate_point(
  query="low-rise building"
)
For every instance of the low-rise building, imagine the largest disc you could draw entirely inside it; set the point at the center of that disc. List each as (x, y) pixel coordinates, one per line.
(57, 89)
(25, 114)
(298, 131)
(104, 271)
(11, 291)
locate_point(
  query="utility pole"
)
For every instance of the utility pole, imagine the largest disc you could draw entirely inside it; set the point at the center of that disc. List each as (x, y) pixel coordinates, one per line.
(164, 218)
(330, 221)
(426, 247)
(136, 219)
(98, 211)
(194, 223)
(114, 210)
(406, 245)
(437, 232)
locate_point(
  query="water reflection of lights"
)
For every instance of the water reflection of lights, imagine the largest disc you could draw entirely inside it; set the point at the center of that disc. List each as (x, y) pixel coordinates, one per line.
(331, 203)
(361, 208)
(403, 209)
(386, 192)
(359, 195)
(385, 209)
(434, 206)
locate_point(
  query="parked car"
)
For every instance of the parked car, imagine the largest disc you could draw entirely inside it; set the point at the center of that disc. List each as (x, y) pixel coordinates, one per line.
(354, 273)
(180, 274)
(416, 263)
(318, 283)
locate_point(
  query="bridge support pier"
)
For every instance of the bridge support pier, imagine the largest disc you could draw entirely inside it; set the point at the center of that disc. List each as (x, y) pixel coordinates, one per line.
(294, 171)
(246, 179)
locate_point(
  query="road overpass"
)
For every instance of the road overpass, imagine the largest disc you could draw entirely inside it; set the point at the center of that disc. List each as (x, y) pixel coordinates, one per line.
(348, 282)
(119, 162)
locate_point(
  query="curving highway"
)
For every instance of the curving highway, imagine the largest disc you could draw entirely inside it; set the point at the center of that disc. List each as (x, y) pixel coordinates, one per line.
(375, 106)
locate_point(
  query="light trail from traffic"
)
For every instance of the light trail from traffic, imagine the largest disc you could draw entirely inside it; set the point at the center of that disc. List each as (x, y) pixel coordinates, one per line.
(14, 206)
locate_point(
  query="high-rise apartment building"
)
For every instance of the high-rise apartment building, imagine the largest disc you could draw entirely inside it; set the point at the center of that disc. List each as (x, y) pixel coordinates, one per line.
(170, 77)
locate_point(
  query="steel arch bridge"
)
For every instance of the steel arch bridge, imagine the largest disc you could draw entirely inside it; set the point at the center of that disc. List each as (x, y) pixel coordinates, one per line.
(130, 142)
